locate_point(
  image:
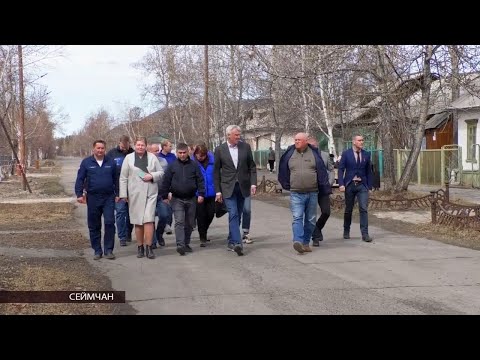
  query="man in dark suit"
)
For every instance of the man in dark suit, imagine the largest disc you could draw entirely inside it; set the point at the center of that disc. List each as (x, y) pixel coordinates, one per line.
(355, 179)
(323, 200)
(235, 178)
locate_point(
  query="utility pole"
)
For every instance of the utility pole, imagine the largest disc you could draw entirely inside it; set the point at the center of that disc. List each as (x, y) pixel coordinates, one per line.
(21, 128)
(2, 123)
(205, 99)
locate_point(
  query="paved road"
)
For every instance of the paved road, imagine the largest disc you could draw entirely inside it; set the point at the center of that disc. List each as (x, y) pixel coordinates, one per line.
(394, 274)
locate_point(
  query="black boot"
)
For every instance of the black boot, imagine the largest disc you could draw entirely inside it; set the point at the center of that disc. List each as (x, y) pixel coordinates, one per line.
(141, 252)
(161, 241)
(150, 253)
(203, 240)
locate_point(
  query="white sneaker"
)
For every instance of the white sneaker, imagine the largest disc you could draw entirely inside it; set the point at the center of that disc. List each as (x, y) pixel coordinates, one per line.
(247, 239)
(168, 230)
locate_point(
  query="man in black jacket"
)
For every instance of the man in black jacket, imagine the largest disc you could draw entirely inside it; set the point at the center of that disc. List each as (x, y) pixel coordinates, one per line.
(124, 228)
(183, 179)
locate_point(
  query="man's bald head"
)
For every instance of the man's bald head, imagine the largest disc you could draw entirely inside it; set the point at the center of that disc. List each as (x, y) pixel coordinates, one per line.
(155, 148)
(301, 141)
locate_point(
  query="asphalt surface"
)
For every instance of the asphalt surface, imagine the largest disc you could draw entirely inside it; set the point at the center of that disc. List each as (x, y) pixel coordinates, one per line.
(395, 274)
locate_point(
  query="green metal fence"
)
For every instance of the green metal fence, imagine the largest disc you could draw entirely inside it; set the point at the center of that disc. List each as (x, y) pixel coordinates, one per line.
(433, 167)
(261, 158)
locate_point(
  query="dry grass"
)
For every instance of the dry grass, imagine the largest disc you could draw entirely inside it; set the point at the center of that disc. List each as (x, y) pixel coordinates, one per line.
(45, 186)
(461, 202)
(51, 226)
(384, 195)
(36, 216)
(50, 186)
(62, 240)
(447, 234)
(45, 170)
(45, 274)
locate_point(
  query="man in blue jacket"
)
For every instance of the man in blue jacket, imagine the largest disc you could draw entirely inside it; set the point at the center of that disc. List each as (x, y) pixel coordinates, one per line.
(166, 153)
(97, 176)
(303, 172)
(355, 179)
(124, 228)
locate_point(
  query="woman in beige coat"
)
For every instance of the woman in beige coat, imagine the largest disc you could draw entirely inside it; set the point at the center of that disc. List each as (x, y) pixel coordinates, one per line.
(140, 173)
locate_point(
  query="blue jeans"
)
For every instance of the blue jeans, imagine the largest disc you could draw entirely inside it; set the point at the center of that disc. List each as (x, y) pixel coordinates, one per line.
(164, 213)
(99, 205)
(247, 214)
(245, 217)
(359, 191)
(235, 208)
(304, 212)
(124, 228)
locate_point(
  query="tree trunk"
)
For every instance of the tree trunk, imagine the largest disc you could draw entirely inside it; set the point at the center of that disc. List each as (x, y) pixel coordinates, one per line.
(419, 134)
(328, 121)
(386, 124)
(278, 149)
(304, 92)
(455, 85)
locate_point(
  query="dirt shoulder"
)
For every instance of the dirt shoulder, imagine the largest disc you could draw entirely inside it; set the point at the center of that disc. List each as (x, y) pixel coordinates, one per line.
(411, 223)
(28, 229)
(47, 274)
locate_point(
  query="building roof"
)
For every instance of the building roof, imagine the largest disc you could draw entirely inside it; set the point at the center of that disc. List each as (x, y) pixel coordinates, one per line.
(436, 120)
(470, 97)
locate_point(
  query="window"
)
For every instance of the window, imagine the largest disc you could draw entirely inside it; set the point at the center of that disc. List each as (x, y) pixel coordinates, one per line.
(471, 140)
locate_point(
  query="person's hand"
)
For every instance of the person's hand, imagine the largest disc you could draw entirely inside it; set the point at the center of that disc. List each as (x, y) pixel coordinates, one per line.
(117, 199)
(169, 196)
(147, 177)
(200, 199)
(254, 190)
(342, 188)
(81, 200)
(218, 198)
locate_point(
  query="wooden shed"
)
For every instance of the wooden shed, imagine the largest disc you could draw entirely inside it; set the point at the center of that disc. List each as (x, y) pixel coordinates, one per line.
(439, 130)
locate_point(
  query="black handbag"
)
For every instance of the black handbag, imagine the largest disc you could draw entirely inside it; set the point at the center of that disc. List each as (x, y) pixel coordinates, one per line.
(220, 209)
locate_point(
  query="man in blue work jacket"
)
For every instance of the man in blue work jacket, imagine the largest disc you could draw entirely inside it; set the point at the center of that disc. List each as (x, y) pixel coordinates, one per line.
(97, 176)
(124, 228)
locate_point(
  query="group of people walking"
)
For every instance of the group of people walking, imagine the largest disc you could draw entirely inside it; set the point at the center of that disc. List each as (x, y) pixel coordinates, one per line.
(130, 187)
(143, 183)
(308, 174)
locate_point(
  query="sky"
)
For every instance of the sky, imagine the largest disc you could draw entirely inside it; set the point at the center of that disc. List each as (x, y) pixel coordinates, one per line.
(88, 77)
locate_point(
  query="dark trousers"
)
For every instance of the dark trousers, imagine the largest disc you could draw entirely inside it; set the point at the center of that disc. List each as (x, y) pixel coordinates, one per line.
(98, 205)
(324, 203)
(271, 164)
(360, 192)
(164, 213)
(124, 228)
(184, 213)
(205, 215)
